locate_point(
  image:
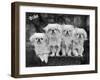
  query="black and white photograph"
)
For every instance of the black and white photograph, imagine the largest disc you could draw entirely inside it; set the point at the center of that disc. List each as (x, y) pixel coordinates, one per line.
(57, 39)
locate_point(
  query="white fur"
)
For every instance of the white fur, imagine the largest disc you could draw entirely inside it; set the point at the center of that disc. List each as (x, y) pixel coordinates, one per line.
(40, 42)
(54, 32)
(79, 36)
(67, 36)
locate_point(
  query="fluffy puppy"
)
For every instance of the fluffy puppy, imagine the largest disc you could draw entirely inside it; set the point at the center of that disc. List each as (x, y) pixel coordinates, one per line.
(54, 32)
(79, 36)
(40, 42)
(67, 36)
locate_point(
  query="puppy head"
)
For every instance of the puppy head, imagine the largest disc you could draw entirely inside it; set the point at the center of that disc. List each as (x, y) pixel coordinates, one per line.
(80, 34)
(38, 39)
(53, 29)
(67, 30)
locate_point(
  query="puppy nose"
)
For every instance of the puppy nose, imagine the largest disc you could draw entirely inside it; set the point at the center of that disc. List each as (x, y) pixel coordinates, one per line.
(38, 40)
(52, 30)
(79, 36)
(67, 32)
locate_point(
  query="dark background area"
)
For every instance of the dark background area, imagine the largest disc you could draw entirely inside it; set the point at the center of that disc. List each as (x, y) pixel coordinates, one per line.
(36, 24)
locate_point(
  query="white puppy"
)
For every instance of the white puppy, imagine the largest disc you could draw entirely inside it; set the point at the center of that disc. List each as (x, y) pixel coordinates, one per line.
(40, 42)
(79, 36)
(54, 32)
(67, 36)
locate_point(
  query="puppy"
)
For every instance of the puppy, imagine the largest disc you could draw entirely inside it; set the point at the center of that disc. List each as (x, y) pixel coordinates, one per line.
(67, 36)
(40, 42)
(54, 32)
(79, 36)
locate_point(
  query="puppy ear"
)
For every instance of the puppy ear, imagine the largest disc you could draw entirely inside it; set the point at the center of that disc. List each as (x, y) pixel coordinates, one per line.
(74, 32)
(32, 38)
(45, 28)
(59, 27)
(85, 35)
(47, 39)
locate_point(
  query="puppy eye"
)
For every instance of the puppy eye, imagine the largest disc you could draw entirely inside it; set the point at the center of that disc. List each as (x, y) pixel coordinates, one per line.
(36, 38)
(57, 30)
(76, 34)
(49, 30)
(64, 30)
(41, 38)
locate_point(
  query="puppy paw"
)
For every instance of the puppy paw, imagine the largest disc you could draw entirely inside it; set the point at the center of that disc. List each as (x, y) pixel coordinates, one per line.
(81, 55)
(53, 54)
(69, 54)
(63, 53)
(57, 55)
(41, 57)
(75, 53)
(46, 60)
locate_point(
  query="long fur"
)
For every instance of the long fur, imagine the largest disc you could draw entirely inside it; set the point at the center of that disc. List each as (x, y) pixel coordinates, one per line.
(54, 32)
(67, 36)
(40, 42)
(79, 36)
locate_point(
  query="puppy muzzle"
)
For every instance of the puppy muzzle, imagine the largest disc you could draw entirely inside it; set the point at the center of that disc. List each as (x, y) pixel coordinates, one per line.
(53, 32)
(79, 36)
(67, 33)
(39, 42)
